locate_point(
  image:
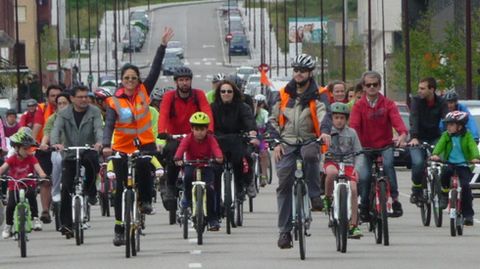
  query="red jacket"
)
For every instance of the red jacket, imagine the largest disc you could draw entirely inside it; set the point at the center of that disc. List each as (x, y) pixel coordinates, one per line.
(206, 149)
(175, 112)
(374, 125)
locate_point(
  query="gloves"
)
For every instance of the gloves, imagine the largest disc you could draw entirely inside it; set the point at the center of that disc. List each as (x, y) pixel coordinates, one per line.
(111, 175)
(159, 172)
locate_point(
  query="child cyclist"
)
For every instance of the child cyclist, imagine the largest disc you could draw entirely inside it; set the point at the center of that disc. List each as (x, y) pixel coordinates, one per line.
(345, 140)
(199, 145)
(457, 146)
(261, 117)
(20, 165)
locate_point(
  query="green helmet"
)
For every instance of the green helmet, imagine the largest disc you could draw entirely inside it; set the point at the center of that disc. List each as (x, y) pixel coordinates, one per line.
(199, 118)
(23, 137)
(340, 108)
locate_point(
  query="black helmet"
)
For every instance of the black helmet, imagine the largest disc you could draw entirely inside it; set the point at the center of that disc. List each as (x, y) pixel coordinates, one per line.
(182, 72)
(451, 96)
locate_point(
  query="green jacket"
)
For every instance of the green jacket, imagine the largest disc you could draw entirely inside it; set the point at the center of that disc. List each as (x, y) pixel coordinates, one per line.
(469, 147)
(210, 96)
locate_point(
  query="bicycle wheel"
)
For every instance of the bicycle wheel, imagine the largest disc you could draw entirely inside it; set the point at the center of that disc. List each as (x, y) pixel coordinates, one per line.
(300, 220)
(199, 214)
(22, 233)
(459, 224)
(375, 220)
(136, 230)
(250, 204)
(453, 212)
(343, 218)
(56, 214)
(185, 216)
(127, 218)
(270, 169)
(104, 204)
(383, 212)
(77, 221)
(238, 212)
(435, 199)
(426, 207)
(227, 201)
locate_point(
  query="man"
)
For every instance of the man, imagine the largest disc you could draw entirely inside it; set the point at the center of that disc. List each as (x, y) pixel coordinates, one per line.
(451, 98)
(373, 117)
(297, 117)
(10, 124)
(426, 111)
(81, 124)
(175, 111)
(27, 118)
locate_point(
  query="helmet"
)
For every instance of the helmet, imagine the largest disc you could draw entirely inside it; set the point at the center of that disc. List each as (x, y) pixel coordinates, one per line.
(218, 77)
(182, 72)
(102, 93)
(11, 112)
(238, 81)
(457, 117)
(340, 108)
(451, 95)
(304, 60)
(23, 137)
(260, 98)
(31, 102)
(199, 118)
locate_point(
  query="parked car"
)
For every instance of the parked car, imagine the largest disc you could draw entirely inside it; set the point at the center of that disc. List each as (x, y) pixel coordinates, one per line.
(244, 72)
(132, 42)
(239, 45)
(401, 156)
(402, 107)
(225, 8)
(252, 83)
(233, 20)
(140, 16)
(170, 63)
(176, 48)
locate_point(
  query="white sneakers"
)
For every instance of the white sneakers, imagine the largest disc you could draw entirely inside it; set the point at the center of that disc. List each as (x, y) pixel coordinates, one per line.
(37, 224)
(7, 231)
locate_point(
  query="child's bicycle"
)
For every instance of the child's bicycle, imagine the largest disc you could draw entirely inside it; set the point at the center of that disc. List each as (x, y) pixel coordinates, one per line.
(22, 219)
(106, 191)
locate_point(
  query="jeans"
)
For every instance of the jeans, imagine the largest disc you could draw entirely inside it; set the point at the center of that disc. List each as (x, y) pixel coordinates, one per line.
(464, 176)
(365, 172)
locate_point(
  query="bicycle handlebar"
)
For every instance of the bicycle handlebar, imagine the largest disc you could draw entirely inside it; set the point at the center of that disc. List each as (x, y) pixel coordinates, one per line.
(204, 162)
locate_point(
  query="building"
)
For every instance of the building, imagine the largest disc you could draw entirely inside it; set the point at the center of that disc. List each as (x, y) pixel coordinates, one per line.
(7, 29)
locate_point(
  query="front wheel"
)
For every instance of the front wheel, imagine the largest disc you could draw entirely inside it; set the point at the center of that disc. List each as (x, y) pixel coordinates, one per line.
(185, 216)
(453, 212)
(435, 200)
(383, 212)
(22, 233)
(127, 218)
(426, 208)
(300, 220)
(343, 218)
(77, 221)
(199, 214)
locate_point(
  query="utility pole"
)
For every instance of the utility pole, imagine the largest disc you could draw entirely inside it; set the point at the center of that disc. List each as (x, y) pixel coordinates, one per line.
(322, 45)
(78, 43)
(296, 27)
(106, 38)
(276, 32)
(97, 42)
(17, 53)
(406, 30)
(343, 42)
(468, 46)
(285, 32)
(59, 67)
(89, 77)
(115, 43)
(370, 35)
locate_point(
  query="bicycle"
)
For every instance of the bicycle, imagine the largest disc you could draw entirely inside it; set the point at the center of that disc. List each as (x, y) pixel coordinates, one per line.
(106, 191)
(22, 219)
(172, 214)
(80, 206)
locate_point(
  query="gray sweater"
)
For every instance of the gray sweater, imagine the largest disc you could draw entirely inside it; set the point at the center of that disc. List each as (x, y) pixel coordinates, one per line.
(346, 141)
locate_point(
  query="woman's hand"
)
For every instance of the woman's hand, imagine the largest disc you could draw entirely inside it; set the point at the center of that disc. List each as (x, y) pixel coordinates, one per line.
(167, 35)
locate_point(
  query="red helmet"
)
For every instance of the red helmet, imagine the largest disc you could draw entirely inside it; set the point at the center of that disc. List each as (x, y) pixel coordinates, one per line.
(102, 93)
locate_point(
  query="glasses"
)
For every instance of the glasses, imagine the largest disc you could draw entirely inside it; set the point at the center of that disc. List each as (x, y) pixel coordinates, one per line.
(370, 85)
(300, 69)
(131, 78)
(226, 91)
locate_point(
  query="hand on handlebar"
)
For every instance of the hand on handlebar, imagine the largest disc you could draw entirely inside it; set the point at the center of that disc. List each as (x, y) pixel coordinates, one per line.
(326, 139)
(401, 140)
(107, 151)
(278, 152)
(98, 147)
(178, 162)
(414, 142)
(475, 161)
(58, 147)
(435, 158)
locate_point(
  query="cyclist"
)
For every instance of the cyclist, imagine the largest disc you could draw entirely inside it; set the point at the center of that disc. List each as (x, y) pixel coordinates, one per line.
(345, 141)
(128, 117)
(175, 111)
(199, 145)
(240, 83)
(451, 98)
(457, 146)
(426, 111)
(10, 124)
(156, 97)
(20, 165)
(297, 117)
(261, 118)
(77, 125)
(215, 81)
(373, 117)
(358, 92)
(101, 95)
(26, 119)
(338, 90)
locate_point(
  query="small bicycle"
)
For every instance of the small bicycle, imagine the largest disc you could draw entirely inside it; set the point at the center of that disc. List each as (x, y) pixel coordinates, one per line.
(22, 219)
(106, 191)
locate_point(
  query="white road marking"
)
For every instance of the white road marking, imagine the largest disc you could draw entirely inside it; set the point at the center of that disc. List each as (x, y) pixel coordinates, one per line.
(209, 59)
(194, 265)
(208, 63)
(192, 240)
(208, 46)
(196, 252)
(191, 229)
(218, 63)
(198, 76)
(196, 63)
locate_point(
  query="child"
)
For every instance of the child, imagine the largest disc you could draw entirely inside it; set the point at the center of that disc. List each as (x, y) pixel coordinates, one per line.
(457, 146)
(261, 117)
(345, 141)
(20, 165)
(199, 145)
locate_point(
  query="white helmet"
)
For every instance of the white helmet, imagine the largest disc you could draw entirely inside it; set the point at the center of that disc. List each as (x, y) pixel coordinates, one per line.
(218, 77)
(304, 61)
(260, 98)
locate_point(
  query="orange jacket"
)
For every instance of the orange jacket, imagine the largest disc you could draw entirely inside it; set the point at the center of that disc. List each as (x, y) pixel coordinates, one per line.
(133, 120)
(47, 111)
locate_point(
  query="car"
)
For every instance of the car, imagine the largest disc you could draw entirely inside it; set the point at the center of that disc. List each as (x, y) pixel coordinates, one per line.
(252, 83)
(233, 20)
(225, 8)
(132, 42)
(401, 156)
(236, 28)
(140, 18)
(402, 107)
(170, 63)
(176, 48)
(239, 45)
(244, 72)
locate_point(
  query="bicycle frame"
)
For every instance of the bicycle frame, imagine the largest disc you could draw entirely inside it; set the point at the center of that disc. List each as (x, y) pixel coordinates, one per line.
(456, 210)
(340, 180)
(300, 182)
(379, 175)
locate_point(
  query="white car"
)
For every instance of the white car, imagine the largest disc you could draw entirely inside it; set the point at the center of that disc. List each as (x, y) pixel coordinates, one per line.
(244, 72)
(176, 48)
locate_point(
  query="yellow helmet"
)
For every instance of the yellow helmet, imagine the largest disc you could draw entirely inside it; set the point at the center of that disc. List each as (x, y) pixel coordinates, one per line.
(199, 118)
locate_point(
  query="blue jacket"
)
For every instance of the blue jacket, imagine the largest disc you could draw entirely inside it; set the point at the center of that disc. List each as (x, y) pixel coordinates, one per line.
(471, 124)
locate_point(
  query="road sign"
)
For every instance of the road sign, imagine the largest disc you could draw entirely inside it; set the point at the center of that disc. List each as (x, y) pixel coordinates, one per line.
(228, 37)
(263, 67)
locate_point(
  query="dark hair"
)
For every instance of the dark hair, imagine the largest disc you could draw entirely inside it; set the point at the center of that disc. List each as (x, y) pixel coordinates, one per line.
(63, 94)
(237, 95)
(335, 82)
(79, 88)
(130, 66)
(359, 87)
(431, 82)
(54, 87)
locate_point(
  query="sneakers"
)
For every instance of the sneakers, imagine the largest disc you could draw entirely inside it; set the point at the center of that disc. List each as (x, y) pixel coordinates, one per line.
(317, 203)
(263, 181)
(417, 196)
(397, 210)
(147, 208)
(67, 231)
(7, 231)
(355, 232)
(251, 191)
(468, 221)
(327, 203)
(45, 217)
(285, 241)
(364, 213)
(213, 225)
(37, 225)
(119, 239)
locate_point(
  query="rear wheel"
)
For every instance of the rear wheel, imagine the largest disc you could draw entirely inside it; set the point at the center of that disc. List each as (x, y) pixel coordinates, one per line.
(383, 212)
(426, 208)
(56, 214)
(436, 192)
(128, 221)
(238, 212)
(453, 212)
(22, 233)
(228, 200)
(199, 214)
(300, 220)
(104, 204)
(343, 218)
(77, 221)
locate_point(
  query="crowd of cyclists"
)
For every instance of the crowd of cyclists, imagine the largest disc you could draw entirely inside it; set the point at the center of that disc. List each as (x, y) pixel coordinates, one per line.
(184, 123)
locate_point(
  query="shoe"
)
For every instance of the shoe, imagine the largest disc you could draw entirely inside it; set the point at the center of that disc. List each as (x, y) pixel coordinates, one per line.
(45, 217)
(285, 240)
(213, 225)
(92, 200)
(355, 232)
(7, 231)
(327, 203)
(119, 239)
(67, 231)
(263, 181)
(468, 221)
(37, 224)
(416, 197)
(397, 210)
(317, 203)
(251, 191)
(364, 213)
(443, 200)
(147, 208)
(241, 196)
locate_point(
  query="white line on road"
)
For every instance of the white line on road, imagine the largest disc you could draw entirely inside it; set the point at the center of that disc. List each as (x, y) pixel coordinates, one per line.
(208, 63)
(208, 46)
(218, 63)
(194, 265)
(196, 252)
(198, 76)
(192, 240)
(196, 63)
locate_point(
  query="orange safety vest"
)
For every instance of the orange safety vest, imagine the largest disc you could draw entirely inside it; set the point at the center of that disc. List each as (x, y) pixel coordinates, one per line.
(133, 120)
(284, 97)
(47, 111)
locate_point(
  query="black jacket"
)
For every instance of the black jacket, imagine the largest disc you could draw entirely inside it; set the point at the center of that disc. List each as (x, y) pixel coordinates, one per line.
(233, 118)
(425, 120)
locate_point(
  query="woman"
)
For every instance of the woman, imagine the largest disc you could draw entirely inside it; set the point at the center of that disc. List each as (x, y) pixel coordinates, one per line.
(339, 91)
(129, 115)
(233, 117)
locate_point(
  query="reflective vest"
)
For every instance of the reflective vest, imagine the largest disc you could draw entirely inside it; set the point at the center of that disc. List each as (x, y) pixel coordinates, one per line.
(284, 97)
(324, 90)
(133, 121)
(47, 111)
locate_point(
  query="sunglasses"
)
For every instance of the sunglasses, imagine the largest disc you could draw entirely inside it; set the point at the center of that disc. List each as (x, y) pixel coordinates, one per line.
(370, 85)
(131, 78)
(226, 91)
(300, 69)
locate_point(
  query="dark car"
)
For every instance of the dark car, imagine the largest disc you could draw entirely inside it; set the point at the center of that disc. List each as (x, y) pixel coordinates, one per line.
(239, 45)
(401, 156)
(170, 63)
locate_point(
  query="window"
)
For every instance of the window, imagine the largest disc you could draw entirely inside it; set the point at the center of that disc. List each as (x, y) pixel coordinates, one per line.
(22, 13)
